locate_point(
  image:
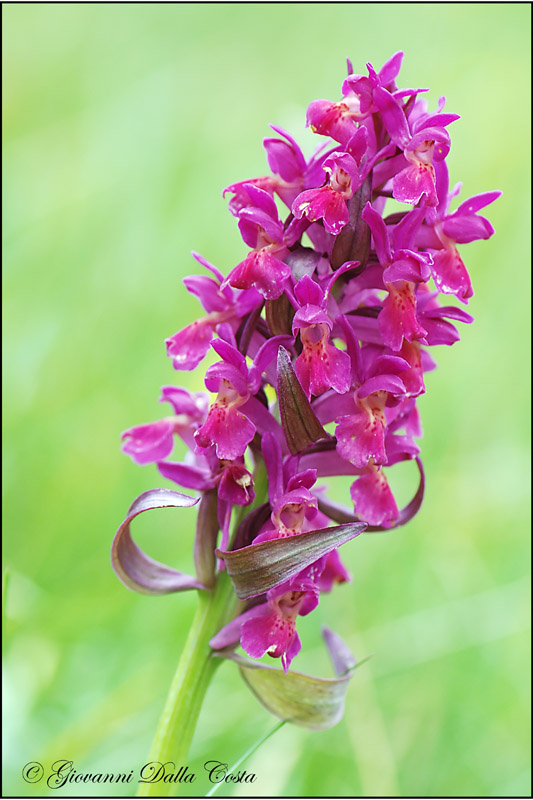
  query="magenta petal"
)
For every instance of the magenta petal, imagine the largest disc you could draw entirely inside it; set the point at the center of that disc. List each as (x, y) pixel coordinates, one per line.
(266, 536)
(241, 197)
(440, 331)
(228, 429)
(266, 354)
(437, 120)
(329, 463)
(331, 119)
(409, 266)
(289, 511)
(293, 649)
(400, 448)
(225, 371)
(373, 499)
(254, 224)
(361, 87)
(357, 145)
(262, 419)
(338, 163)
(207, 264)
(361, 437)
(304, 479)
(382, 383)
(186, 475)
(261, 633)
(387, 364)
(183, 402)
(336, 214)
(262, 200)
(436, 135)
(325, 203)
(310, 315)
(322, 368)
(337, 366)
(334, 572)
(390, 69)
(413, 378)
(189, 346)
(231, 633)
(207, 291)
(262, 271)
(236, 485)
(393, 116)
(230, 354)
(284, 158)
(477, 202)
(147, 443)
(406, 231)
(397, 319)
(273, 462)
(452, 312)
(409, 185)
(450, 274)
(464, 228)
(308, 292)
(379, 234)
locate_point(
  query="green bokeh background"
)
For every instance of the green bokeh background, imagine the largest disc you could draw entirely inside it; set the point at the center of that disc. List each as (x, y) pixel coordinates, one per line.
(122, 125)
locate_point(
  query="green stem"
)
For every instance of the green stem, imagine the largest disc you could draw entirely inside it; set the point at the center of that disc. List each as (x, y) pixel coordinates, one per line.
(187, 691)
(195, 669)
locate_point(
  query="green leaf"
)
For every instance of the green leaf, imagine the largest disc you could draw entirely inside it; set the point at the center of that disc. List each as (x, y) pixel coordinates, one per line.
(259, 567)
(304, 700)
(299, 421)
(251, 750)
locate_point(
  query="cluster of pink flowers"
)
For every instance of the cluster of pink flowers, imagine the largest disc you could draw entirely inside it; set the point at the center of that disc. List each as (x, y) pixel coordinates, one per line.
(332, 312)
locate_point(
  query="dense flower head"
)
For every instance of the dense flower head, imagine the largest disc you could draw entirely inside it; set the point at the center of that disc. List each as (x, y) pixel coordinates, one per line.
(327, 319)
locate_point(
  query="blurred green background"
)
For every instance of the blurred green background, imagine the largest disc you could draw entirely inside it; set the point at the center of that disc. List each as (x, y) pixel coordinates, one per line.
(122, 124)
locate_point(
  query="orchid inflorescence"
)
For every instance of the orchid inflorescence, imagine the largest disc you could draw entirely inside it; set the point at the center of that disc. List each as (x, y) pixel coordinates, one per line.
(327, 321)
